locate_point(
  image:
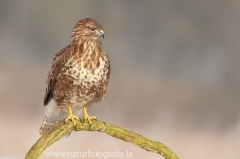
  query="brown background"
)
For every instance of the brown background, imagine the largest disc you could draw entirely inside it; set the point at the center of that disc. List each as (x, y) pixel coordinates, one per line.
(175, 74)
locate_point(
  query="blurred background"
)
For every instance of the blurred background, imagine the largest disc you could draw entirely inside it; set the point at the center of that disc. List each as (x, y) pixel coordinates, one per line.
(175, 74)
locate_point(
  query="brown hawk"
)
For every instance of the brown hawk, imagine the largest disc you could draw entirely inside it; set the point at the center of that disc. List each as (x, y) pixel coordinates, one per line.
(78, 76)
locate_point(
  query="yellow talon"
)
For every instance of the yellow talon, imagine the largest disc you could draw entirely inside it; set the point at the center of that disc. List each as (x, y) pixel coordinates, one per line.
(86, 116)
(71, 116)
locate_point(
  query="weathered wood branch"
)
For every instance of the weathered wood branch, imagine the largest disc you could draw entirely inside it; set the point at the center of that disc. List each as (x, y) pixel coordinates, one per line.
(60, 130)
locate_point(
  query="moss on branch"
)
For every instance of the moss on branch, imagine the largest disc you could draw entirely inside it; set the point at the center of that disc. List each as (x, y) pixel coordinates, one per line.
(60, 130)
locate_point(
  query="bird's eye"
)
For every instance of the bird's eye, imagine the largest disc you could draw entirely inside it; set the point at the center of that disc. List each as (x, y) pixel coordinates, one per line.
(92, 28)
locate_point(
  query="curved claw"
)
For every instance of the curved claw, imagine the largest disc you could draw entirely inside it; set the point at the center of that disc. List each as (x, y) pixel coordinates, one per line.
(87, 117)
(72, 117)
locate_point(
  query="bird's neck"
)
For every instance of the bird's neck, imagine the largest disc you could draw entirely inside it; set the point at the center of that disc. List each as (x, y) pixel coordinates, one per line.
(86, 45)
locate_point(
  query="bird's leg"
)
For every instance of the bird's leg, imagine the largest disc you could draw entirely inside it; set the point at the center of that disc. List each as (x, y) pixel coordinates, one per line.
(86, 116)
(71, 116)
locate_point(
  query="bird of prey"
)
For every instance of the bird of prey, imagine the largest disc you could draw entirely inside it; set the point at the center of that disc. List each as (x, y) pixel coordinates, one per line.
(78, 76)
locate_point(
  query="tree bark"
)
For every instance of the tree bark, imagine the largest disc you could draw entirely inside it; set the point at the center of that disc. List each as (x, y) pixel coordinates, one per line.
(62, 129)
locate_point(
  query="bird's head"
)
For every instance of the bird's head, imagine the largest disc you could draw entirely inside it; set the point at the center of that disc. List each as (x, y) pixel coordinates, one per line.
(88, 28)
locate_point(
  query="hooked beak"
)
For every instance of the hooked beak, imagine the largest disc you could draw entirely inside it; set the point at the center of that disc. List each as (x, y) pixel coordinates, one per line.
(102, 34)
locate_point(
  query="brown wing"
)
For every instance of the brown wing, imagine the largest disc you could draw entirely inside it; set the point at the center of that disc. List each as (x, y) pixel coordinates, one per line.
(58, 62)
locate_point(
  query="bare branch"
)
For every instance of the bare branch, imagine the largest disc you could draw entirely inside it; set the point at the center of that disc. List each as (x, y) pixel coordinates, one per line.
(60, 130)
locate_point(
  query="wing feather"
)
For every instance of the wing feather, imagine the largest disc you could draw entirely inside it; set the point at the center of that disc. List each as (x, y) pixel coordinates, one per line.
(58, 63)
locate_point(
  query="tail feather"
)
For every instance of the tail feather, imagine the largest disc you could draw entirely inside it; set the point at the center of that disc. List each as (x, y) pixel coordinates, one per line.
(53, 115)
(47, 124)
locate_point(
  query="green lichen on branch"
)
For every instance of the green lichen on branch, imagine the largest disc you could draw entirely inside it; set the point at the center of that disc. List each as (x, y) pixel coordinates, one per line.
(60, 130)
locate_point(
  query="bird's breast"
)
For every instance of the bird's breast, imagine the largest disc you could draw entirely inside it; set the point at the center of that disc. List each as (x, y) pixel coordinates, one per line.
(88, 70)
